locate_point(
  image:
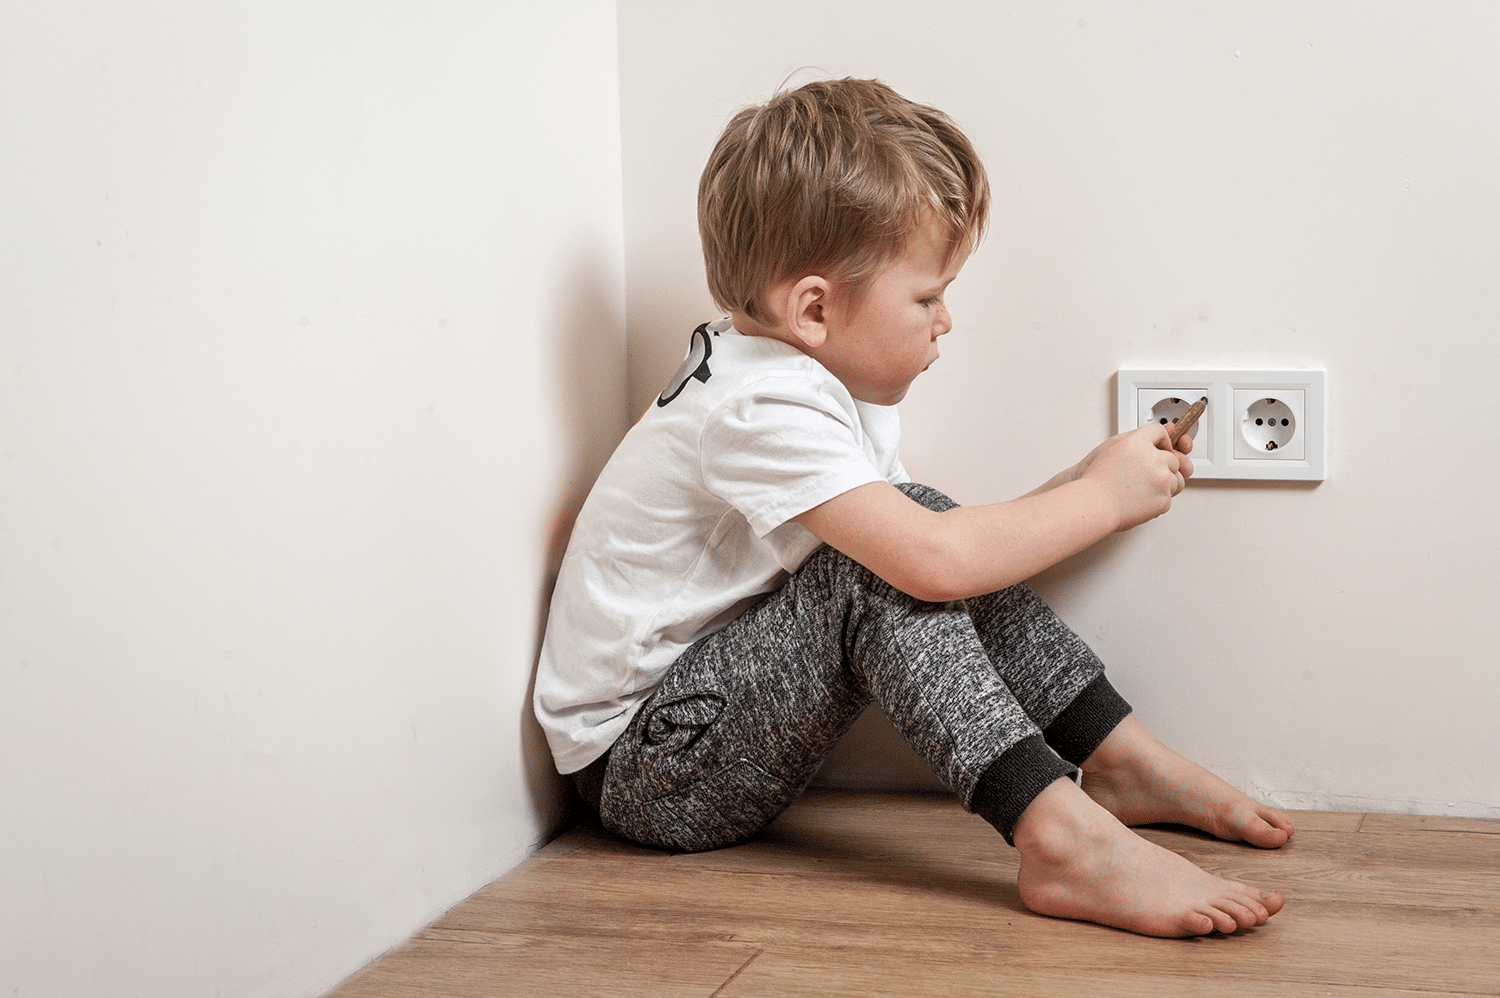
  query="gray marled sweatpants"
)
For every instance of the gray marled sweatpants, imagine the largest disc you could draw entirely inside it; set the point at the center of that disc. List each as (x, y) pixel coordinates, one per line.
(994, 692)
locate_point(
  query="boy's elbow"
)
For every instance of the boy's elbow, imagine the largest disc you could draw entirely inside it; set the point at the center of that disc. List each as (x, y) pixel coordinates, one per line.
(933, 591)
(933, 575)
(940, 591)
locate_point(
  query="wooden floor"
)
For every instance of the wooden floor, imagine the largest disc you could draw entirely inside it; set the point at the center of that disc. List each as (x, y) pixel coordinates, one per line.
(880, 894)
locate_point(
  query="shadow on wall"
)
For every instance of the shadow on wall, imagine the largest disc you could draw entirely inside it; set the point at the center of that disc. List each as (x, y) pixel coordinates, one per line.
(588, 324)
(663, 320)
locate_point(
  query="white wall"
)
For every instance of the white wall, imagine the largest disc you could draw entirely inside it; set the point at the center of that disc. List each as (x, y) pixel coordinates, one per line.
(1245, 184)
(311, 332)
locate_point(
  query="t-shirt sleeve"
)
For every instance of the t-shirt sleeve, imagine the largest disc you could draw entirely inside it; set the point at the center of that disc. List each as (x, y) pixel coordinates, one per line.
(782, 446)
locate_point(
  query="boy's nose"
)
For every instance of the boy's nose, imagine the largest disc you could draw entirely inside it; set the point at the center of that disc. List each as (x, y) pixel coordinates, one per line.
(944, 321)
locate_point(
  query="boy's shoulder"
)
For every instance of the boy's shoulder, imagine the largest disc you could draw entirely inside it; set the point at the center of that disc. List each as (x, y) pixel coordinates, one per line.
(755, 423)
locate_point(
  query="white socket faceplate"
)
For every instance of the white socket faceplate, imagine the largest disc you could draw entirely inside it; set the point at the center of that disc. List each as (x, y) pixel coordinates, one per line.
(1222, 448)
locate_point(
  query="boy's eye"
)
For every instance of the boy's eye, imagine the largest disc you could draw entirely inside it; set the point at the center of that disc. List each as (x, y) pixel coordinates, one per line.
(930, 302)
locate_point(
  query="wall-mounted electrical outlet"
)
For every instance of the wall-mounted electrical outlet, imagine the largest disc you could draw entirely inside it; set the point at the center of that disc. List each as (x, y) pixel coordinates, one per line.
(1259, 424)
(1271, 424)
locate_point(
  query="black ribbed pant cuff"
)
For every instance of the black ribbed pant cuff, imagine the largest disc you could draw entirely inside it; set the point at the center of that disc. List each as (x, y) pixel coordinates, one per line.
(1087, 721)
(1013, 781)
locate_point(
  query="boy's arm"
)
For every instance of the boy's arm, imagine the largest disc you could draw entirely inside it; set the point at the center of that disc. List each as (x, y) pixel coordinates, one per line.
(971, 550)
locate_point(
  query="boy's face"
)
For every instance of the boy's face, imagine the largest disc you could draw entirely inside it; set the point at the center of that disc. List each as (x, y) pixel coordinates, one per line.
(878, 344)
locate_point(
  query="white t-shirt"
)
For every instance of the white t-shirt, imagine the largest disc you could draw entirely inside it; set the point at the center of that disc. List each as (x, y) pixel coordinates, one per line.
(691, 522)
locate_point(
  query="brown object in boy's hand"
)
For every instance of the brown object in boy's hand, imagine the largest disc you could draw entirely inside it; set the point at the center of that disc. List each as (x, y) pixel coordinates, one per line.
(1186, 420)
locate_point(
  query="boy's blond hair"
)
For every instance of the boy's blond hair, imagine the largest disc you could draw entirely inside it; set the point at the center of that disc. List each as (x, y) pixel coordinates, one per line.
(830, 179)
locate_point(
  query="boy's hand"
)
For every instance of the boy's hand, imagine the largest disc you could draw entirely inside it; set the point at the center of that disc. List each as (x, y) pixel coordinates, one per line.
(1140, 471)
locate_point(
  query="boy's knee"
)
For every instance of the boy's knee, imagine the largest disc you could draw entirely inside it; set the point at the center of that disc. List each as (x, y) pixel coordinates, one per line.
(927, 496)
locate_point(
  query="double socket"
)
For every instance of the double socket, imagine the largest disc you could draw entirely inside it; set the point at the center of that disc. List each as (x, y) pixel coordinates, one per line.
(1258, 424)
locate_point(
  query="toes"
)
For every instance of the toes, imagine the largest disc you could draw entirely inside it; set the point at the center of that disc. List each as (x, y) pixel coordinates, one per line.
(1246, 916)
(1258, 914)
(1197, 923)
(1275, 819)
(1221, 921)
(1258, 825)
(1252, 907)
(1265, 834)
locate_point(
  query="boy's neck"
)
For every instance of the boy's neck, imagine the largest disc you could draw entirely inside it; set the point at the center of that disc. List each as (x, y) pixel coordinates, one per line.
(749, 327)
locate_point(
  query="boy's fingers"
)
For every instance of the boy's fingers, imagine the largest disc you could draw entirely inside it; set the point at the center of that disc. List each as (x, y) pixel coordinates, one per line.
(1178, 449)
(1161, 439)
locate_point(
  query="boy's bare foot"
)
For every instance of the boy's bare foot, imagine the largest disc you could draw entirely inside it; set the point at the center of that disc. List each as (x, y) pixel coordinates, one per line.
(1078, 861)
(1141, 781)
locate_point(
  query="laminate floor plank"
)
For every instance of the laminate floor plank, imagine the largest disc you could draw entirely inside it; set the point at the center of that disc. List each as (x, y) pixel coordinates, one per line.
(1325, 821)
(788, 974)
(1407, 824)
(492, 965)
(772, 908)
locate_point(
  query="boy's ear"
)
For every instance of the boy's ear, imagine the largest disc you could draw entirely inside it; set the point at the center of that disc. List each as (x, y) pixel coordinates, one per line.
(806, 310)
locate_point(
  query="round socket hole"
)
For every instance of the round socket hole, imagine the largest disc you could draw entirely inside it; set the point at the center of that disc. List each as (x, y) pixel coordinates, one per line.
(1169, 410)
(1269, 424)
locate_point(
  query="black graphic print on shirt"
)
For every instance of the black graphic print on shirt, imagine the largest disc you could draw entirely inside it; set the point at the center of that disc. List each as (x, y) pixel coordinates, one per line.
(695, 366)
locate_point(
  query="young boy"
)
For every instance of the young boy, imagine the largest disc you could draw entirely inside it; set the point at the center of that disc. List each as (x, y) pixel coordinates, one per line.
(753, 566)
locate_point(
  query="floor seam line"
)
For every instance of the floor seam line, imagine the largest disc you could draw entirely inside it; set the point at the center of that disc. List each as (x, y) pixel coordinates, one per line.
(720, 989)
